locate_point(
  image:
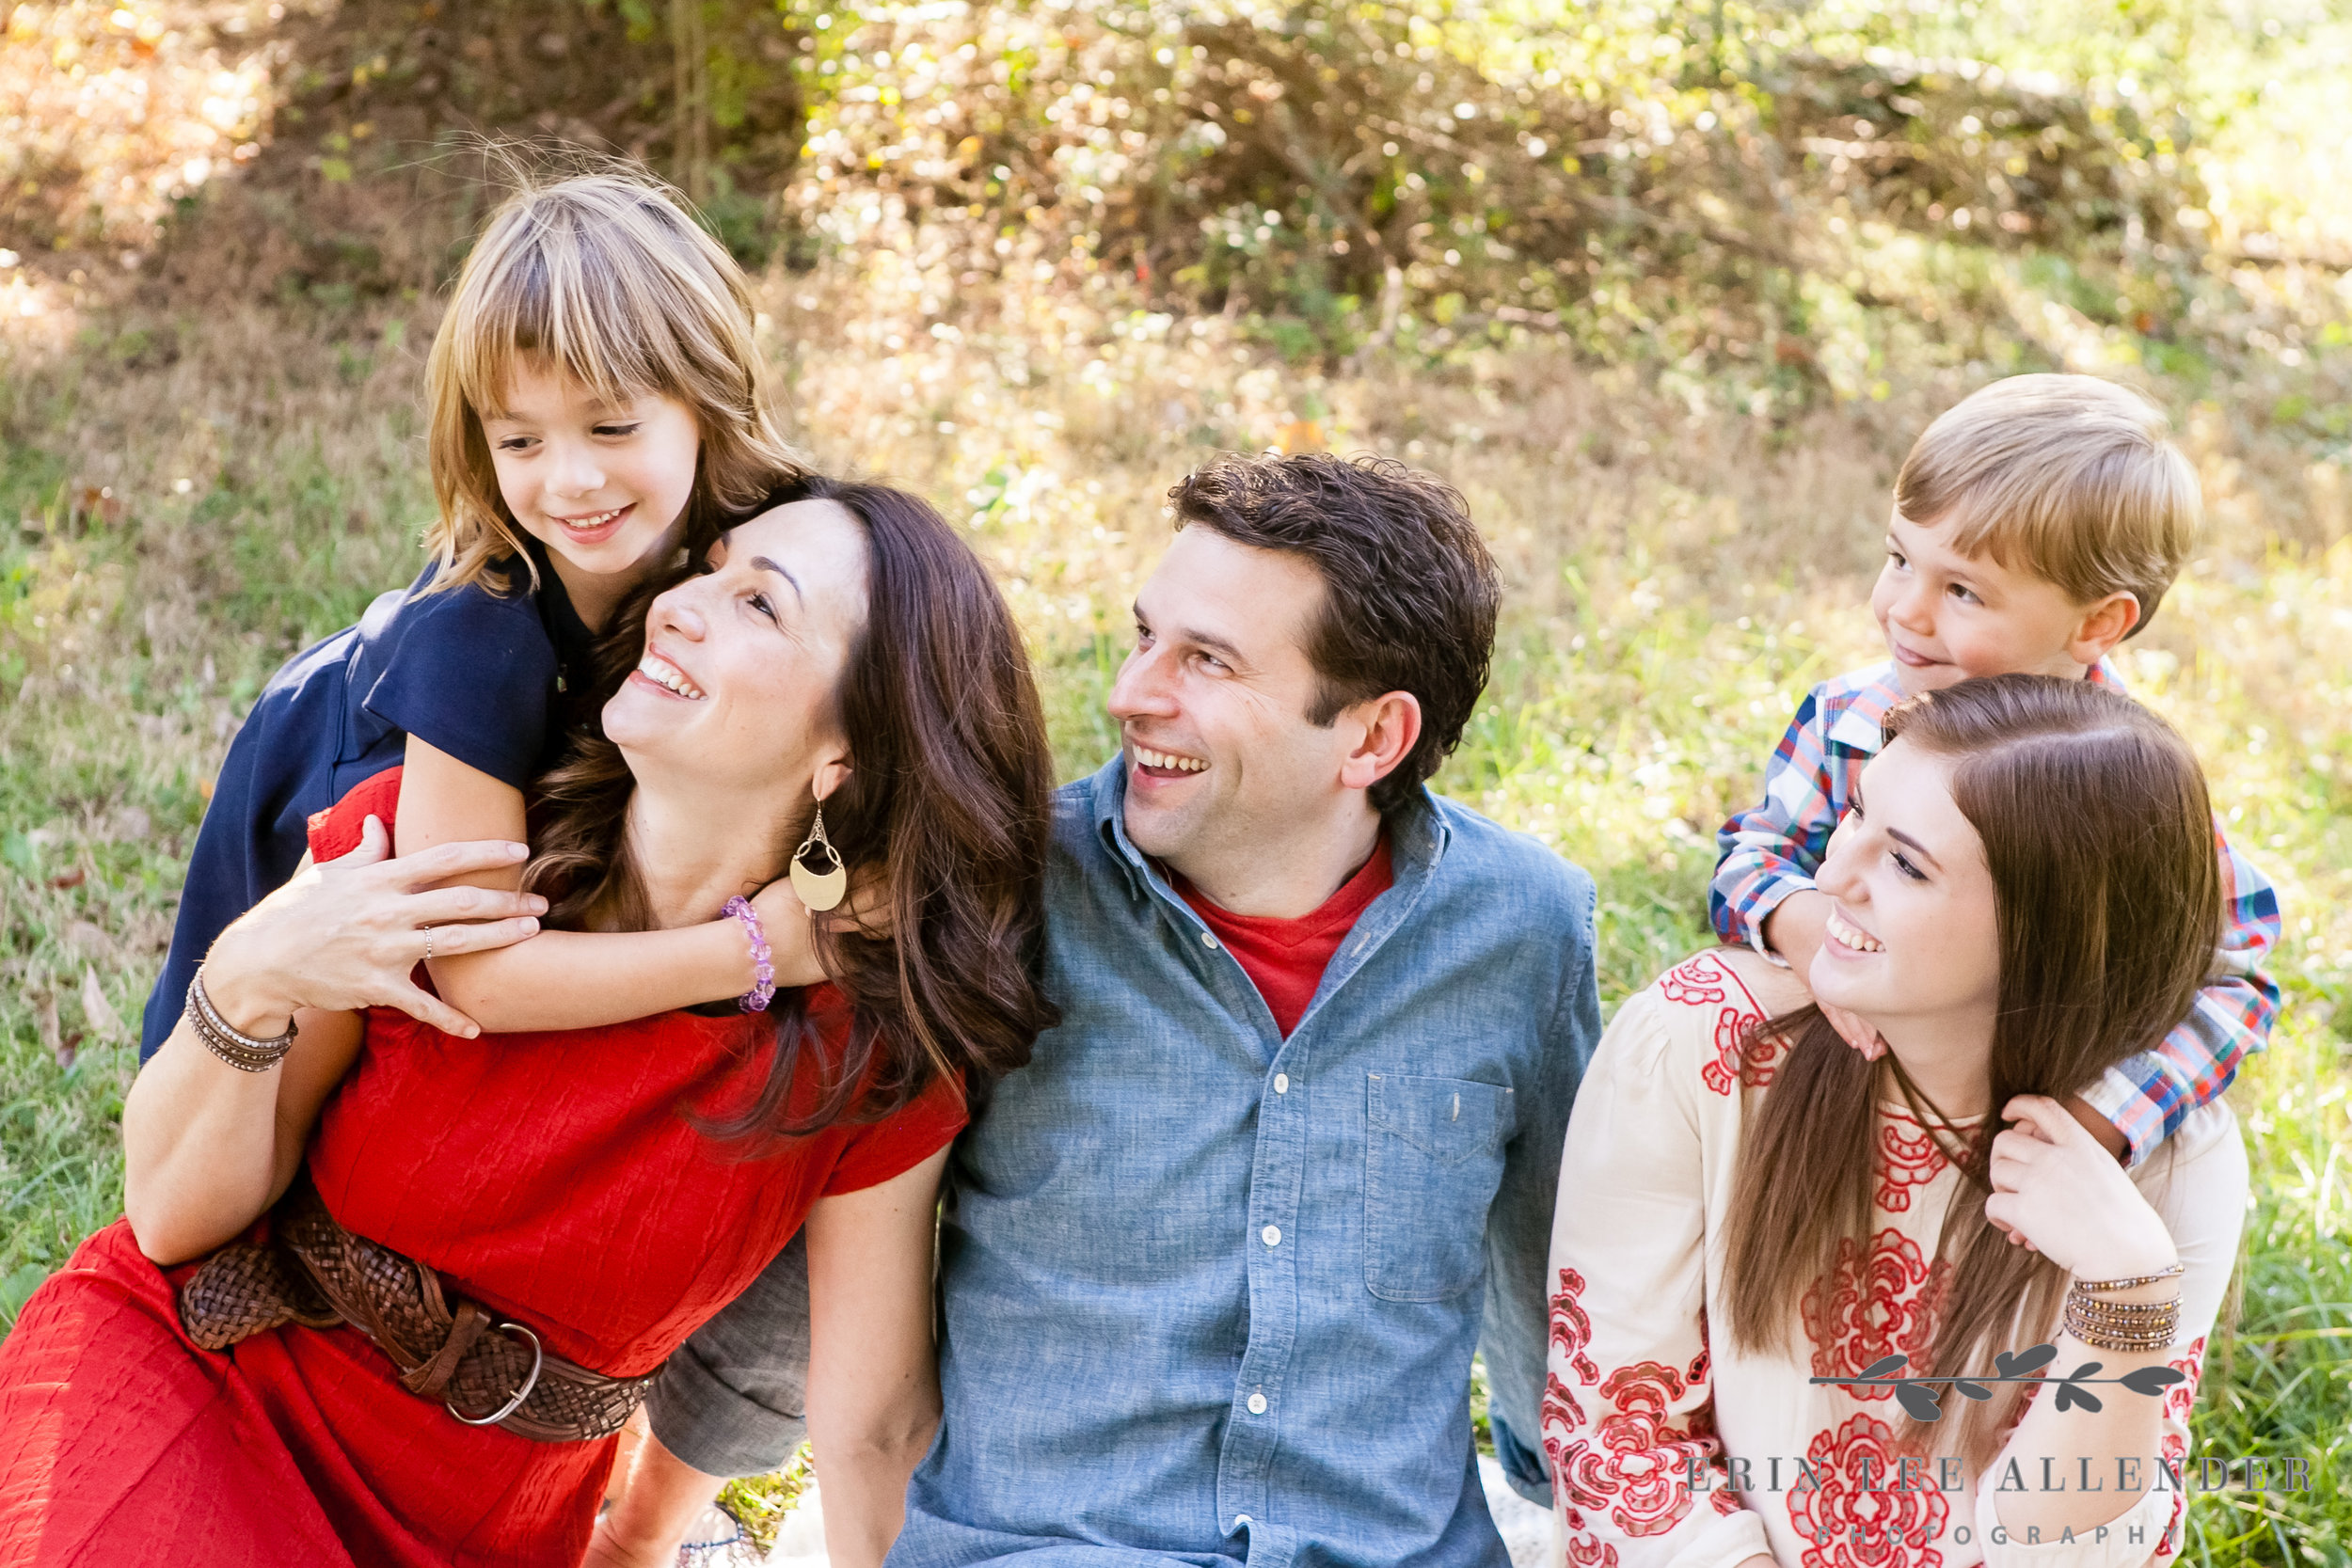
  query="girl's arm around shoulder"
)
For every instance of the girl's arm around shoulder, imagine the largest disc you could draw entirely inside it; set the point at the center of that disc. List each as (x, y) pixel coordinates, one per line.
(579, 979)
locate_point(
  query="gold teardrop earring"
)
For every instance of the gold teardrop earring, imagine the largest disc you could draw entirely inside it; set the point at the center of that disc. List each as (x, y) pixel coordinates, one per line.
(818, 875)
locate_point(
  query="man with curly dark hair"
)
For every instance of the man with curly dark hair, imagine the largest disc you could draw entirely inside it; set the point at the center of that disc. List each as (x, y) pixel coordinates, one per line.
(1213, 1266)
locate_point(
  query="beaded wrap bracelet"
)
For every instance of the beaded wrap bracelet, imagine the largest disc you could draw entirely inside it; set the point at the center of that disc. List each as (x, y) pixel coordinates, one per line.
(763, 970)
(244, 1052)
(2122, 1325)
(2094, 1285)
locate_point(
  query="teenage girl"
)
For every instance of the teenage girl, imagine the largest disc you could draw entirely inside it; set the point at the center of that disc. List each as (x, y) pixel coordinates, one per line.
(598, 408)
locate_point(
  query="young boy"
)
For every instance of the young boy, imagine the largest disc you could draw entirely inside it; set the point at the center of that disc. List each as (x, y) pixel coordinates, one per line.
(2036, 525)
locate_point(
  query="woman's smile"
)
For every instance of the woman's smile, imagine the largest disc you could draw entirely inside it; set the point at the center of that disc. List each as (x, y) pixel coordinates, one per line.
(655, 670)
(1845, 937)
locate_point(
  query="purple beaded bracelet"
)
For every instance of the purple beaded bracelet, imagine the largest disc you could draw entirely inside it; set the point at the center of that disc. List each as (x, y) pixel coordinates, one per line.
(763, 972)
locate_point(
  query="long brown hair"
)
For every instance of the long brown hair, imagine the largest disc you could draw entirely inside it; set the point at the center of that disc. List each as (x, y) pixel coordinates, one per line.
(2107, 882)
(948, 805)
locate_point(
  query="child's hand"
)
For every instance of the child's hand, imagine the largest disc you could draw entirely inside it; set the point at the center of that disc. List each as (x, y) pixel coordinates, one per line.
(2057, 1191)
(1855, 1030)
(347, 935)
(791, 946)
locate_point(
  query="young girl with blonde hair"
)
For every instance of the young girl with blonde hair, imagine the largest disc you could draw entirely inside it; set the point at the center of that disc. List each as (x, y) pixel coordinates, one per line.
(599, 409)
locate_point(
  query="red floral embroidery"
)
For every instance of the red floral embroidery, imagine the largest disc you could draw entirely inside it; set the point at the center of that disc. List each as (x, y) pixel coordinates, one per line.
(1637, 1466)
(1571, 1329)
(2181, 1397)
(1704, 982)
(1855, 1518)
(1562, 1417)
(1644, 1393)
(1908, 1158)
(2179, 1401)
(1695, 982)
(1585, 1549)
(1876, 1302)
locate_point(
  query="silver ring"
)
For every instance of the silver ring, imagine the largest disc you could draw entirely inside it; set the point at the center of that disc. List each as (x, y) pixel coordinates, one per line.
(538, 1359)
(428, 944)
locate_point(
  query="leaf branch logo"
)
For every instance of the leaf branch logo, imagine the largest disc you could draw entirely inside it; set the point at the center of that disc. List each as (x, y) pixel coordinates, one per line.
(2023, 1367)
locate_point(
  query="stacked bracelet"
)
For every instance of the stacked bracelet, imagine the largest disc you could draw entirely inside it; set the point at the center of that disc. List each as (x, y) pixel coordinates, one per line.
(233, 1045)
(2093, 1285)
(763, 972)
(2122, 1325)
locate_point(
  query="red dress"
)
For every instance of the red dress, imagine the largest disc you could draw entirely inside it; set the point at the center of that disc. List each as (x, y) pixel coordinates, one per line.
(551, 1177)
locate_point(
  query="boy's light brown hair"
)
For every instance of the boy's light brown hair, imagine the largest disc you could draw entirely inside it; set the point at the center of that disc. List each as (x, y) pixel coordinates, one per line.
(2069, 476)
(604, 277)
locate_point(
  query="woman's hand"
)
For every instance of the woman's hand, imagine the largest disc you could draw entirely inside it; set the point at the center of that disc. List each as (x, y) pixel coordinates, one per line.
(2057, 1190)
(347, 935)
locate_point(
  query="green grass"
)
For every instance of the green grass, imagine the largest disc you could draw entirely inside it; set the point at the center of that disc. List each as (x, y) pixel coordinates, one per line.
(1676, 581)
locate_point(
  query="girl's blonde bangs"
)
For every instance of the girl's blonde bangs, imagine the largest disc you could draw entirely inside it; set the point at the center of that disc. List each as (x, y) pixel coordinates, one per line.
(605, 315)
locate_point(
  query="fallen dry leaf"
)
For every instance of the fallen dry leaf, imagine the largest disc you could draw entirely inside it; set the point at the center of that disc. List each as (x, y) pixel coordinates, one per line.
(96, 1010)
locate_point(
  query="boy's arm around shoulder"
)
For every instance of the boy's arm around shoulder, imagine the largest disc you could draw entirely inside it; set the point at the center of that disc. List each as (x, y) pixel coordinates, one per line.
(2147, 1097)
(1771, 849)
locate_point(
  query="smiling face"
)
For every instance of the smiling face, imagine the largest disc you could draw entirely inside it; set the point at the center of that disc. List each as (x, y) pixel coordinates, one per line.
(741, 664)
(1947, 616)
(603, 485)
(1222, 760)
(1913, 930)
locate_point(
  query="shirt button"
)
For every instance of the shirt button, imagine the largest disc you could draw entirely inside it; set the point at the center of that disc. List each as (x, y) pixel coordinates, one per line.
(1271, 1235)
(1208, 938)
(1282, 1083)
(1257, 1407)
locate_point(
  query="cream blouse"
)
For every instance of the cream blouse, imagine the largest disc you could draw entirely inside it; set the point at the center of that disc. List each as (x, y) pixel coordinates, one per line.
(1638, 1399)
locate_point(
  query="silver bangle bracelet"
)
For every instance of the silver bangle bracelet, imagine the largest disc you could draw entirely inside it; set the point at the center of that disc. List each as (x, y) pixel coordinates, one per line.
(244, 1052)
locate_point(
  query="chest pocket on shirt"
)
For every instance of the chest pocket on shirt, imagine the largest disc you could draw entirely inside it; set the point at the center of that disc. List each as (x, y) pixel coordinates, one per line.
(1433, 1158)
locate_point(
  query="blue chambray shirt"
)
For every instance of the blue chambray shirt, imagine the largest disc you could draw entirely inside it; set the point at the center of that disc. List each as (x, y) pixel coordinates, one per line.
(1210, 1295)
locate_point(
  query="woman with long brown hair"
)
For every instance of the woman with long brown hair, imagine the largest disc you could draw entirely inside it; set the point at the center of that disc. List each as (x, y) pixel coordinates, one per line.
(472, 1254)
(1797, 1290)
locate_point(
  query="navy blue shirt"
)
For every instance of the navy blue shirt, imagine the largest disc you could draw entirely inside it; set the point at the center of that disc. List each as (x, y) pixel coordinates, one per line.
(473, 672)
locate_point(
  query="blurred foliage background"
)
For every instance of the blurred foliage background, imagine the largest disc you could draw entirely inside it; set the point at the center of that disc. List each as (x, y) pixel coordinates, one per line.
(1666, 288)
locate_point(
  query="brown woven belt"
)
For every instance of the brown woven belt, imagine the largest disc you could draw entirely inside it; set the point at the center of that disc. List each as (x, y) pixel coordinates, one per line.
(487, 1369)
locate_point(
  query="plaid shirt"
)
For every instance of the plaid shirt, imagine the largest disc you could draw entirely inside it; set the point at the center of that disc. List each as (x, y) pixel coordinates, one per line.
(1771, 850)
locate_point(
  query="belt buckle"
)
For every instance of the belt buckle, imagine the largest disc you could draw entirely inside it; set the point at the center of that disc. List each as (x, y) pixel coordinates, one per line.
(538, 1359)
